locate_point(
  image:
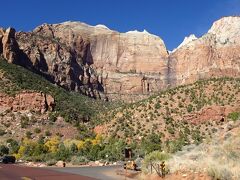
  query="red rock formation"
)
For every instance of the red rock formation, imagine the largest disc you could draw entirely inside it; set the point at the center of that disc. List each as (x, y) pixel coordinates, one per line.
(210, 114)
(99, 62)
(95, 59)
(27, 100)
(10, 48)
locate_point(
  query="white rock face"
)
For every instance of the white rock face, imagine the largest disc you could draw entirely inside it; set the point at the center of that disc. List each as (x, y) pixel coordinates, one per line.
(186, 41)
(226, 26)
(102, 26)
(226, 30)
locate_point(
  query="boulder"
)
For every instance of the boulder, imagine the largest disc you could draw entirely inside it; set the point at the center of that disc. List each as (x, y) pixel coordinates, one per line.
(60, 164)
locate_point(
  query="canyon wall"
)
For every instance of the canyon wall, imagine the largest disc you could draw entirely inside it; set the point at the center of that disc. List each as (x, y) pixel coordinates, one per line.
(106, 64)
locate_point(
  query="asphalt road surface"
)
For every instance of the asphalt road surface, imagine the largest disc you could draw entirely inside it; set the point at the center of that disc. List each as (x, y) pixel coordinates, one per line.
(17, 172)
(97, 172)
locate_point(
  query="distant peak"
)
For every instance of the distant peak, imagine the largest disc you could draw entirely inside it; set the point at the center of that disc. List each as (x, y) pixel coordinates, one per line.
(102, 26)
(138, 32)
(186, 41)
(225, 25)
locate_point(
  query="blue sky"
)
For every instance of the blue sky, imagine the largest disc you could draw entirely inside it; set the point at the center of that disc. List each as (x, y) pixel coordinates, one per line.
(172, 20)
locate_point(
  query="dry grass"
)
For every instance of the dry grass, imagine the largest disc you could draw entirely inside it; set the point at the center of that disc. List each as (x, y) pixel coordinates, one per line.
(220, 157)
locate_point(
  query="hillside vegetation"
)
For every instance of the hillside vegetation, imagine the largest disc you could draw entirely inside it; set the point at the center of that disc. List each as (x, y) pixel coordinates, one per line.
(76, 110)
(167, 121)
(179, 116)
(72, 106)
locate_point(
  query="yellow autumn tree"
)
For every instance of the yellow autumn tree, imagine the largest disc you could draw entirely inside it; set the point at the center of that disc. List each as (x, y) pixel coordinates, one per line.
(97, 140)
(80, 145)
(26, 148)
(52, 144)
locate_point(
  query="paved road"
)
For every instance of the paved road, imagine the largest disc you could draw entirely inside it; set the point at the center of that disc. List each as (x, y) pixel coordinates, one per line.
(102, 172)
(17, 172)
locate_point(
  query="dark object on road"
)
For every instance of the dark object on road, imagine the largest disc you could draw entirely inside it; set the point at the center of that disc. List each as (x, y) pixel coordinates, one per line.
(130, 165)
(8, 159)
(64, 164)
(128, 153)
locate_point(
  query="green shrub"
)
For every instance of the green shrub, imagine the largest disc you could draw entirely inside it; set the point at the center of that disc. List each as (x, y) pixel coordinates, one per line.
(2, 132)
(13, 145)
(157, 105)
(78, 160)
(155, 157)
(190, 108)
(37, 130)
(3, 150)
(48, 133)
(53, 117)
(29, 134)
(234, 116)
(151, 142)
(24, 121)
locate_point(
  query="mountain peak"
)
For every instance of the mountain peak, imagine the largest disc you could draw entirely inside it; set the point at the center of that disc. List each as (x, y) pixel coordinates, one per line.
(186, 41)
(226, 25)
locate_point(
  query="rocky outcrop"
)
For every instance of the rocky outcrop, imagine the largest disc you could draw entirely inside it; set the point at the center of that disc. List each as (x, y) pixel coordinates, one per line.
(211, 113)
(34, 101)
(103, 63)
(9, 46)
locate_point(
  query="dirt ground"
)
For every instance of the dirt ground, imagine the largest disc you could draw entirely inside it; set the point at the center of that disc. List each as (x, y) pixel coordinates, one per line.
(179, 176)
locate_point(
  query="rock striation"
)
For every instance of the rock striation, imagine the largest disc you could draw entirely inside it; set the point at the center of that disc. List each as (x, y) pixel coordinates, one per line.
(103, 63)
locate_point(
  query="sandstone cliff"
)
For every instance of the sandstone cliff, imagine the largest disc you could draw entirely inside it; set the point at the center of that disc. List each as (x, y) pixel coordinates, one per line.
(103, 63)
(215, 54)
(94, 59)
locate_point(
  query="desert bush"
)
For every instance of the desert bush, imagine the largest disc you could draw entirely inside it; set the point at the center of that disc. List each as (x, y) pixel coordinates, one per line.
(48, 133)
(24, 121)
(13, 146)
(78, 160)
(219, 173)
(154, 157)
(37, 130)
(29, 134)
(2, 132)
(234, 116)
(3, 150)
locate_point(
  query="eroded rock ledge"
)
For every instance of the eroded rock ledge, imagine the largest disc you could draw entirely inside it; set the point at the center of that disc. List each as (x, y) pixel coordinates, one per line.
(27, 100)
